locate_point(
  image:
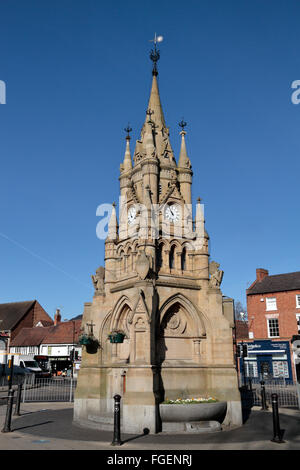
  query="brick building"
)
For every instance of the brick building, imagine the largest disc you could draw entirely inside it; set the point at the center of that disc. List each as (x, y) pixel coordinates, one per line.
(51, 344)
(273, 306)
(15, 316)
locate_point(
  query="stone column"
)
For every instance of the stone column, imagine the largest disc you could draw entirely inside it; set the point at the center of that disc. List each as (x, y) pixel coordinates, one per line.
(197, 349)
(139, 404)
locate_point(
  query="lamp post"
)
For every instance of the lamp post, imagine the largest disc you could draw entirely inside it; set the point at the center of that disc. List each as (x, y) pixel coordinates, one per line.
(242, 315)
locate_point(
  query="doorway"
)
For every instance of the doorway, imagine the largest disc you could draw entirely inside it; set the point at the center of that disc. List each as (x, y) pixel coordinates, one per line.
(264, 363)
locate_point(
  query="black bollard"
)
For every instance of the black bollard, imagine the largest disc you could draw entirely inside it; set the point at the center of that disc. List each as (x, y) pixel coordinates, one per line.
(7, 424)
(18, 402)
(250, 384)
(263, 397)
(11, 372)
(117, 431)
(277, 433)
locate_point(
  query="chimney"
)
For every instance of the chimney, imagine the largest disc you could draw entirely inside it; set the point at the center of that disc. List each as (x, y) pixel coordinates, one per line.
(261, 274)
(57, 317)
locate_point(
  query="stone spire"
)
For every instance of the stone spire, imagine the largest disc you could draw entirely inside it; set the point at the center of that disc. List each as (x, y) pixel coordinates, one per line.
(155, 123)
(155, 106)
(149, 140)
(184, 168)
(200, 222)
(127, 163)
(184, 161)
(113, 224)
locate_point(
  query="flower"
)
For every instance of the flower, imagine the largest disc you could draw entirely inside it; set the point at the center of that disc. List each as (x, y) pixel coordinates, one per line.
(188, 401)
(116, 332)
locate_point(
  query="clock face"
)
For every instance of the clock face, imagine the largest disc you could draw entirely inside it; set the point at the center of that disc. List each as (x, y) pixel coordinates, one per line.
(172, 213)
(131, 215)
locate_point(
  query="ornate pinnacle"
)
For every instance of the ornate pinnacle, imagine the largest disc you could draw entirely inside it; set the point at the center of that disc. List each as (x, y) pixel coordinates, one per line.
(149, 113)
(128, 129)
(182, 124)
(154, 54)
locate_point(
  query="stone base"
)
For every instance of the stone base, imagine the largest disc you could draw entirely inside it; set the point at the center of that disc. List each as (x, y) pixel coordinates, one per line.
(233, 416)
(191, 427)
(138, 418)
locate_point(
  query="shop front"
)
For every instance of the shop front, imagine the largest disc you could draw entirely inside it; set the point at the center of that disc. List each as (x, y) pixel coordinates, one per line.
(267, 360)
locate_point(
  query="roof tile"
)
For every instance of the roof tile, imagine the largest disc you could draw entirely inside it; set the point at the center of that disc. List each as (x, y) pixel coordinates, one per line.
(276, 283)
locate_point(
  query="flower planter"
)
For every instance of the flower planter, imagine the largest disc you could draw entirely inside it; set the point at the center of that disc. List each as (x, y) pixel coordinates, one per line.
(84, 340)
(116, 338)
(181, 413)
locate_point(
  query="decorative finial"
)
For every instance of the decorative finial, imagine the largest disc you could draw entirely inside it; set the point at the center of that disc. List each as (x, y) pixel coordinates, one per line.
(182, 124)
(149, 112)
(154, 54)
(90, 327)
(128, 129)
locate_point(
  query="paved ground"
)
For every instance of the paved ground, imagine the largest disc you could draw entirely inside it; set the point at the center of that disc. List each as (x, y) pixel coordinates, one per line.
(49, 426)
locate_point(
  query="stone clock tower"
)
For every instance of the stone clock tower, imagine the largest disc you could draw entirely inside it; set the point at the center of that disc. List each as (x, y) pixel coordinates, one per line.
(161, 290)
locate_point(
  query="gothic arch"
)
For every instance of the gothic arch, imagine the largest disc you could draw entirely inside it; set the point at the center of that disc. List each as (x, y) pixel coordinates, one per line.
(176, 243)
(183, 259)
(105, 327)
(120, 312)
(172, 256)
(199, 321)
(135, 245)
(160, 255)
(129, 260)
(122, 261)
(187, 245)
(127, 248)
(134, 254)
(119, 249)
(105, 350)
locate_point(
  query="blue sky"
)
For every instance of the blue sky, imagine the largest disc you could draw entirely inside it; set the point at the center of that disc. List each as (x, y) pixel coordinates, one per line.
(76, 71)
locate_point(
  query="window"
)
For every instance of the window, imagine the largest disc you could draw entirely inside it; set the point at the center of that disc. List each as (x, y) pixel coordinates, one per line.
(273, 327)
(159, 257)
(129, 260)
(297, 301)
(271, 303)
(183, 259)
(171, 257)
(280, 369)
(251, 369)
(298, 322)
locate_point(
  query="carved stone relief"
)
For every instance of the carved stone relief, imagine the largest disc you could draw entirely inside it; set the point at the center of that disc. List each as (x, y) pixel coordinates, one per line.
(98, 281)
(174, 322)
(216, 275)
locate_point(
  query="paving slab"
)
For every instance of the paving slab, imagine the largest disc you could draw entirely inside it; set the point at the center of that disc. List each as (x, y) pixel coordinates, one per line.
(49, 426)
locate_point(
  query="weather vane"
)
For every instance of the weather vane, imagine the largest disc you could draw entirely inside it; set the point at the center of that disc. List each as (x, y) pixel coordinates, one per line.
(182, 124)
(154, 54)
(128, 129)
